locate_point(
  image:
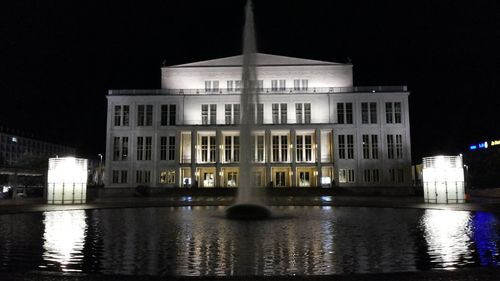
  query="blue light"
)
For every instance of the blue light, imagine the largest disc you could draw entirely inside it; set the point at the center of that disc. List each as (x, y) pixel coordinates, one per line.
(473, 147)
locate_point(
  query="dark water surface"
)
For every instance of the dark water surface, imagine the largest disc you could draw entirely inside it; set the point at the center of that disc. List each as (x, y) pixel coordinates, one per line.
(194, 241)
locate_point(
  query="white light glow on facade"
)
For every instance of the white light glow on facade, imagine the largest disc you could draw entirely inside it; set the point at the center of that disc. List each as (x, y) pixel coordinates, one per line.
(443, 178)
(64, 237)
(67, 181)
(448, 234)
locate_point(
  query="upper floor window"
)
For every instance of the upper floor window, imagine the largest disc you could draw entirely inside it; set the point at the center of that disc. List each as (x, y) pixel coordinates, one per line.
(279, 113)
(370, 146)
(258, 148)
(393, 112)
(144, 145)
(280, 148)
(208, 114)
(120, 148)
(167, 148)
(303, 113)
(344, 113)
(144, 115)
(346, 146)
(233, 85)
(168, 115)
(232, 114)
(369, 113)
(300, 84)
(207, 149)
(304, 150)
(231, 148)
(395, 146)
(212, 86)
(121, 115)
(278, 85)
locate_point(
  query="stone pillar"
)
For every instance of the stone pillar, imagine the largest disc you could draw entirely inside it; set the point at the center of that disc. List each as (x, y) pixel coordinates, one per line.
(317, 150)
(293, 155)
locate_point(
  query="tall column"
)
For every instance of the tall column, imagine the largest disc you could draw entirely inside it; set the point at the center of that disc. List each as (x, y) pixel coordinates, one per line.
(194, 144)
(318, 157)
(218, 157)
(268, 158)
(293, 154)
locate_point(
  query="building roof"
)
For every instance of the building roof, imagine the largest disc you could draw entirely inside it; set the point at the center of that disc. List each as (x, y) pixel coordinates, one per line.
(261, 59)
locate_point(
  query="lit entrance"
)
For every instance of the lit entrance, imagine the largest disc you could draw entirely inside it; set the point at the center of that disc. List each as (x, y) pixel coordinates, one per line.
(231, 177)
(281, 177)
(207, 177)
(305, 177)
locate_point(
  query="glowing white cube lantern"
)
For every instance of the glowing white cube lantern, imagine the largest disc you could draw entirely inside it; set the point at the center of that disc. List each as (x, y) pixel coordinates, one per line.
(443, 178)
(67, 181)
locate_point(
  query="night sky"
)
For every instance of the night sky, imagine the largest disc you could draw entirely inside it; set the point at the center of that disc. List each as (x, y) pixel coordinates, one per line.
(59, 58)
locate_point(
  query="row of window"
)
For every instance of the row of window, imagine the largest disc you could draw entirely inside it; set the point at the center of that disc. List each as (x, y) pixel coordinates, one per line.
(371, 175)
(280, 148)
(279, 114)
(369, 113)
(168, 113)
(236, 85)
(370, 146)
(345, 176)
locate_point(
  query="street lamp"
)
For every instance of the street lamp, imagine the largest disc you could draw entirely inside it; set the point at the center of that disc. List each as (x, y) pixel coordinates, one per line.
(99, 175)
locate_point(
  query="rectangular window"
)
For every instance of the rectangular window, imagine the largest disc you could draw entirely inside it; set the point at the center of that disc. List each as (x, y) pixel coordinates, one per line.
(258, 148)
(208, 114)
(120, 148)
(375, 175)
(390, 146)
(171, 148)
(212, 86)
(144, 115)
(213, 114)
(228, 113)
(367, 175)
(282, 85)
(163, 148)
(164, 115)
(167, 177)
(260, 113)
(275, 107)
(274, 85)
(388, 112)
(207, 149)
(348, 113)
(364, 113)
(374, 148)
(397, 112)
(399, 147)
(298, 113)
(392, 175)
(121, 115)
(172, 115)
(304, 148)
(237, 85)
(231, 149)
(280, 148)
(144, 148)
(346, 175)
(284, 115)
(341, 146)
(300, 84)
(340, 113)
(118, 118)
(230, 85)
(119, 176)
(373, 113)
(307, 113)
(366, 147)
(142, 176)
(350, 147)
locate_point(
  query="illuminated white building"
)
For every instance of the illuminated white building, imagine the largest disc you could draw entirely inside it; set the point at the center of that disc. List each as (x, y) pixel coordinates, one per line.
(314, 128)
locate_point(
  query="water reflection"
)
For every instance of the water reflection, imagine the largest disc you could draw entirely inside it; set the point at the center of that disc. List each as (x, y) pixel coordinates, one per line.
(199, 241)
(486, 237)
(64, 240)
(448, 234)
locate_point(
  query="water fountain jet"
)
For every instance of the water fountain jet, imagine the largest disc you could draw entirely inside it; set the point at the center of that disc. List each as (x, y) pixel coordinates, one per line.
(248, 204)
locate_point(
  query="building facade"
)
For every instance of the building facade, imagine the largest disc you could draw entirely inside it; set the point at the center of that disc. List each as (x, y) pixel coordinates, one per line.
(314, 128)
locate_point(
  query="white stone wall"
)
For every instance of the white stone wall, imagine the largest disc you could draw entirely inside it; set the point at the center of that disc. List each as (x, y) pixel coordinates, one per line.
(318, 76)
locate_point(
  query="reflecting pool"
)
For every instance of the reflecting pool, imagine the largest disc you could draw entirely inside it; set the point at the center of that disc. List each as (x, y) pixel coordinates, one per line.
(199, 241)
